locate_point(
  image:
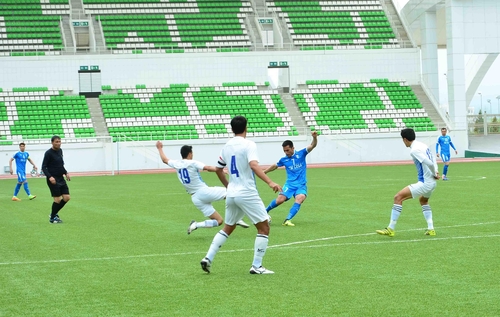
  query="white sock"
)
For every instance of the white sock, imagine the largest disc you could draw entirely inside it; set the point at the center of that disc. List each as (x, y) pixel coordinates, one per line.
(207, 224)
(218, 241)
(426, 209)
(396, 211)
(260, 247)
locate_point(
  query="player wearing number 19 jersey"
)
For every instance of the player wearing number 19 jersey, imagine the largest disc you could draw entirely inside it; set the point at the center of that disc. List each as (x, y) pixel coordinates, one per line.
(240, 157)
(427, 171)
(202, 196)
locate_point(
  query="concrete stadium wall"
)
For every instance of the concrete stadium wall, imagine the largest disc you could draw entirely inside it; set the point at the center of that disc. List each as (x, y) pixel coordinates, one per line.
(210, 68)
(92, 157)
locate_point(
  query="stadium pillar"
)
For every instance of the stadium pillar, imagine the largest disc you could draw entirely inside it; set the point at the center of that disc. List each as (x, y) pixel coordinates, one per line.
(456, 64)
(430, 52)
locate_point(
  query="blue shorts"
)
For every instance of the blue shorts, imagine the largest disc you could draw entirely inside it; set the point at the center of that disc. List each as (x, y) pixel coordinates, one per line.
(21, 177)
(289, 191)
(445, 157)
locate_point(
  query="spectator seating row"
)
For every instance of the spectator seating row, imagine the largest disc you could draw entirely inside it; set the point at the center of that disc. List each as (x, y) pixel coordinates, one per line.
(38, 113)
(30, 27)
(336, 24)
(172, 27)
(378, 105)
(184, 112)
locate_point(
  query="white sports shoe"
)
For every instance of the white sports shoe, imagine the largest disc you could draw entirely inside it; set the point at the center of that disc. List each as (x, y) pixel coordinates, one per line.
(192, 226)
(206, 264)
(243, 224)
(269, 219)
(260, 270)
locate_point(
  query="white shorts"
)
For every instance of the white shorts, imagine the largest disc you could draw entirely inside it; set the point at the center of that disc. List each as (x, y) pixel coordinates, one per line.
(422, 189)
(237, 207)
(204, 198)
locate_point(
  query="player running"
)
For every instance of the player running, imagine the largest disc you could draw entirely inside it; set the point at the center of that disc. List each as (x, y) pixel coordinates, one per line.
(296, 181)
(427, 174)
(21, 157)
(202, 196)
(445, 141)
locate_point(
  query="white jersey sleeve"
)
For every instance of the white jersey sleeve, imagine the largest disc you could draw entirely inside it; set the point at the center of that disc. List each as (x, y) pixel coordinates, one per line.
(424, 160)
(252, 152)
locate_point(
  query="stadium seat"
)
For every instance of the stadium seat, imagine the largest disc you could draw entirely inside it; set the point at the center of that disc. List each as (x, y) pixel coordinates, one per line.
(39, 113)
(378, 105)
(181, 111)
(172, 27)
(328, 25)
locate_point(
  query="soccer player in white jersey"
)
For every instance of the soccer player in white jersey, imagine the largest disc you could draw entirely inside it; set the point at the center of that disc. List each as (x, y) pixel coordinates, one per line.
(202, 196)
(428, 173)
(241, 158)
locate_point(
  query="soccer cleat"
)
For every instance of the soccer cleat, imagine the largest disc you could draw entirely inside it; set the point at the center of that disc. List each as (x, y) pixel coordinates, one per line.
(31, 197)
(430, 232)
(206, 264)
(56, 219)
(14, 198)
(445, 178)
(269, 219)
(386, 232)
(288, 223)
(242, 224)
(192, 226)
(260, 270)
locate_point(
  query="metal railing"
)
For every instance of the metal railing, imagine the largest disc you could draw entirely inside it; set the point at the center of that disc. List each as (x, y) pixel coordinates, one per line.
(483, 124)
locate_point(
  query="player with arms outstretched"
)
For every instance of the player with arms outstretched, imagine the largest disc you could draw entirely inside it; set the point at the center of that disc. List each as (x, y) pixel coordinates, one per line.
(241, 158)
(296, 180)
(428, 173)
(21, 157)
(202, 196)
(444, 141)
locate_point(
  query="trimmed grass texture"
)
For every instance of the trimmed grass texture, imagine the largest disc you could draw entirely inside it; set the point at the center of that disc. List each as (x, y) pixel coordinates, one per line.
(123, 249)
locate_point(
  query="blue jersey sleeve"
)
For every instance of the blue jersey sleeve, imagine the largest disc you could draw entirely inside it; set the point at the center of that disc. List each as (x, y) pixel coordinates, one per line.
(303, 152)
(280, 163)
(451, 143)
(437, 144)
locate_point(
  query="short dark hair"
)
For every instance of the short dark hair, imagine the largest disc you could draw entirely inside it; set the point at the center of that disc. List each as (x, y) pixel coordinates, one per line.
(408, 134)
(239, 124)
(185, 150)
(287, 143)
(444, 129)
(22, 143)
(55, 137)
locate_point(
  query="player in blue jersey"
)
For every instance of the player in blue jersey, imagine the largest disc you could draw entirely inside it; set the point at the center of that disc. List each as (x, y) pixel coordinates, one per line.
(427, 173)
(445, 142)
(296, 181)
(21, 157)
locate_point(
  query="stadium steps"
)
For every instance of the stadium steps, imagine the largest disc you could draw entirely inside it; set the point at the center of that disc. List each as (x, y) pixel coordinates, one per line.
(99, 40)
(428, 106)
(66, 34)
(294, 112)
(257, 40)
(76, 5)
(395, 21)
(97, 117)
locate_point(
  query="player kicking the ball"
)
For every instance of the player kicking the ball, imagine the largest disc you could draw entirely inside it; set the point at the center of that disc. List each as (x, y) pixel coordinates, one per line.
(427, 175)
(296, 181)
(202, 196)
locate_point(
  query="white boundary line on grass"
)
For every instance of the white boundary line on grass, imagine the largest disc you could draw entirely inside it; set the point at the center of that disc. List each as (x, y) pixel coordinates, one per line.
(279, 246)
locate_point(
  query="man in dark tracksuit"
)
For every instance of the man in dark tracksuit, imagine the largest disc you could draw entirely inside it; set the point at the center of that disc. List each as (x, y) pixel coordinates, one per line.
(53, 168)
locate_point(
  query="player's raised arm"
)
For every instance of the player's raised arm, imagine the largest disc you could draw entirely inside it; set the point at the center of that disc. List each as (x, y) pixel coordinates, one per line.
(164, 158)
(270, 168)
(314, 142)
(254, 165)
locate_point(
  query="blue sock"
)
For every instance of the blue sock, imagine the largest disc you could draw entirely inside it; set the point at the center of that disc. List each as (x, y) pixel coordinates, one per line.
(272, 205)
(293, 211)
(445, 170)
(27, 189)
(16, 191)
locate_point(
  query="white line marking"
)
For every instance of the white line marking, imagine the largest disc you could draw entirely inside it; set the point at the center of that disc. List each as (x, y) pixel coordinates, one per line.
(278, 246)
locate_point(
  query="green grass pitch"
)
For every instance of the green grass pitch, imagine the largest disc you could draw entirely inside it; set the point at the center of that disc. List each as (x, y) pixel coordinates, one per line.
(123, 249)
